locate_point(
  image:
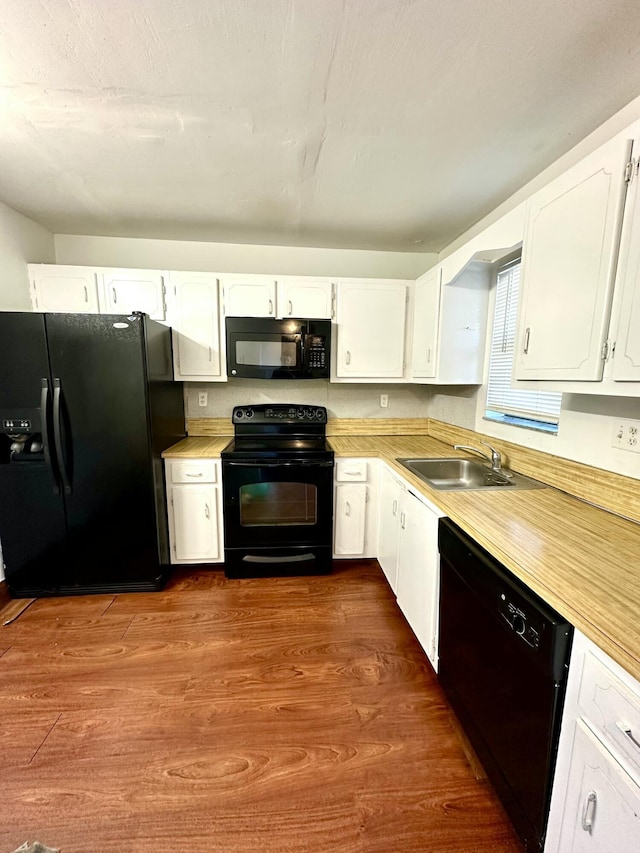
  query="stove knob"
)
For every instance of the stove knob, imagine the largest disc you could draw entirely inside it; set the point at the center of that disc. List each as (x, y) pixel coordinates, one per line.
(319, 414)
(239, 414)
(248, 413)
(300, 414)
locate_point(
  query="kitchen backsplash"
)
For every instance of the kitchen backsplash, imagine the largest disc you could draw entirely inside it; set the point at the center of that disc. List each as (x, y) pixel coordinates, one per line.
(341, 400)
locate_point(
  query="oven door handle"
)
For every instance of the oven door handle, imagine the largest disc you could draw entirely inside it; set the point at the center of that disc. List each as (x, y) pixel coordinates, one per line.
(259, 463)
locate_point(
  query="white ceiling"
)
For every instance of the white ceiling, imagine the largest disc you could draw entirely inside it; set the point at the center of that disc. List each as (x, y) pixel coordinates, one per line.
(375, 124)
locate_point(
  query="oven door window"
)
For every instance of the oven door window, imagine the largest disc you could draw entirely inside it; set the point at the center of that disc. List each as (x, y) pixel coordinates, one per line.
(271, 351)
(278, 504)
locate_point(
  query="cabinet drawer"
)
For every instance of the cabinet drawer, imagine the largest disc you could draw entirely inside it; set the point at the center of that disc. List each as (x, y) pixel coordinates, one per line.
(351, 471)
(611, 708)
(193, 471)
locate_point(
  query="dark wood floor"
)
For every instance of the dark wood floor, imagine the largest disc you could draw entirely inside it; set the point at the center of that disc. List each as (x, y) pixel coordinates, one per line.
(280, 716)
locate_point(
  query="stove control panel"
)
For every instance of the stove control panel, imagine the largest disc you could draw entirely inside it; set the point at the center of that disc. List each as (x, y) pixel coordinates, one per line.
(276, 413)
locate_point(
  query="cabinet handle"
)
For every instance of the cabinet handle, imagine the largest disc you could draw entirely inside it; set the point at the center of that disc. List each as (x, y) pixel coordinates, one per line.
(270, 307)
(187, 474)
(209, 353)
(625, 728)
(347, 508)
(429, 356)
(589, 812)
(347, 357)
(115, 297)
(403, 518)
(207, 514)
(395, 507)
(86, 294)
(290, 308)
(527, 335)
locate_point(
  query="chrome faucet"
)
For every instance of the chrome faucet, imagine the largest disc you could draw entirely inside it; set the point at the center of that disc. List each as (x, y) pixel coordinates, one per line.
(495, 459)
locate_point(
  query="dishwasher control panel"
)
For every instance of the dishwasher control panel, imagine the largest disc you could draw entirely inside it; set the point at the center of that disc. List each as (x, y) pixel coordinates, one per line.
(520, 623)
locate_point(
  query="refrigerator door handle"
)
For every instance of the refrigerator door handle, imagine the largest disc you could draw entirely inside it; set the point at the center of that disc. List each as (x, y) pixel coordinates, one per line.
(44, 414)
(57, 434)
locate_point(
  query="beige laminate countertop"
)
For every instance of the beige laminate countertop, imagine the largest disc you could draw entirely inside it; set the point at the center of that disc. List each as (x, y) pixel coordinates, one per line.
(582, 560)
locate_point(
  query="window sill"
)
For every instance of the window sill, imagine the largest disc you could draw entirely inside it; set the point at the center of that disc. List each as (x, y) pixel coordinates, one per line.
(524, 423)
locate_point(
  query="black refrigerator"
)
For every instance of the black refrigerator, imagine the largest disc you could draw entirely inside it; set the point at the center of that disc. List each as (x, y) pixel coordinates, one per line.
(87, 405)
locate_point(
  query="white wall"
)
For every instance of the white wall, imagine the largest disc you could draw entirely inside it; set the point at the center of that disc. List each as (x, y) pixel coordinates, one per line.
(21, 241)
(237, 257)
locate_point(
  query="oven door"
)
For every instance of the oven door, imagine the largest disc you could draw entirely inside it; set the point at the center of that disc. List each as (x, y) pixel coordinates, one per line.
(277, 503)
(264, 355)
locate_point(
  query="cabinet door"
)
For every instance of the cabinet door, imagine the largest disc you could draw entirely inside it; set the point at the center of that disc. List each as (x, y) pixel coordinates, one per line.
(134, 290)
(350, 519)
(371, 329)
(626, 360)
(418, 571)
(602, 806)
(64, 289)
(197, 350)
(309, 298)
(568, 264)
(249, 297)
(425, 324)
(389, 526)
(194, 511)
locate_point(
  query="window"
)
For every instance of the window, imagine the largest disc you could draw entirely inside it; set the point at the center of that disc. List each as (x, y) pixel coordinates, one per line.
(533, 409)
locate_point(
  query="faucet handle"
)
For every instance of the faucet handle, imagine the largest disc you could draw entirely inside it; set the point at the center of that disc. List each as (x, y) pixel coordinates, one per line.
(496, 458)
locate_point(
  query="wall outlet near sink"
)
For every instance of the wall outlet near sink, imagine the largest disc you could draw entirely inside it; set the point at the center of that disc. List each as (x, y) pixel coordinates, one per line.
(626, 435)
(202, 398)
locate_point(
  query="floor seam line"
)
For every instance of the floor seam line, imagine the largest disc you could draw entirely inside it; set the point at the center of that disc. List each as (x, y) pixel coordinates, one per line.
(45, 737)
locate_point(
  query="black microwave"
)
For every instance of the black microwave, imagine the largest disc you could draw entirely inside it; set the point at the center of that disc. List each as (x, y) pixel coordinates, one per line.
(264, 348)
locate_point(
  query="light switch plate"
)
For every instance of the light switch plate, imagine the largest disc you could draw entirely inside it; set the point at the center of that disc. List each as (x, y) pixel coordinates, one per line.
(626, 435)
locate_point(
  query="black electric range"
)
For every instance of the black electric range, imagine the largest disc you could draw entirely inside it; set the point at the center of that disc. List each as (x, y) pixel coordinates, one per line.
(277, 483)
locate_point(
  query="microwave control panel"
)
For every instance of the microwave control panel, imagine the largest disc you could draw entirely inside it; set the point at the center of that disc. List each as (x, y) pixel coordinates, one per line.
(317, 351)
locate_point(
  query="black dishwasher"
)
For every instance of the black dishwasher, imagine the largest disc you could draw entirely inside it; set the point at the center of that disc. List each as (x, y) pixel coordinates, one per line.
(504, 657)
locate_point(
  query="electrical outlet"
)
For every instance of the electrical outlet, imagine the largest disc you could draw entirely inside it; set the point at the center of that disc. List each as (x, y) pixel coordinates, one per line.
(626, 435)
(384, 401)
(202, 398)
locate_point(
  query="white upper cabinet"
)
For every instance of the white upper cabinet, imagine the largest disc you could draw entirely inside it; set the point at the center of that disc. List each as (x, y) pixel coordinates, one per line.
(249, 296)
(63, 288)
(371, 318)
(310, 298)
(625, 336)
(125, 291)
(568, 267)
(259, 296)
(426, 310)
(197, 336)
(449, 326)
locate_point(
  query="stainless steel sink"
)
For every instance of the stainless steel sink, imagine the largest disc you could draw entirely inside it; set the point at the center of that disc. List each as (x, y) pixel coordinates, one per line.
(466, 474)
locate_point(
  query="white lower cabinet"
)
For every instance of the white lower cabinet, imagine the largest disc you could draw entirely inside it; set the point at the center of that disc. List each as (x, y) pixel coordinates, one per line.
(391, 492)
(195, 510)
(409, 557)
(595, 804)
(355, 508)
(419, 571)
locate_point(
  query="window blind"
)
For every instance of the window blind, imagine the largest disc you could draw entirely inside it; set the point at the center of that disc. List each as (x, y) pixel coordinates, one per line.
(541, 406)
